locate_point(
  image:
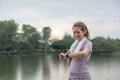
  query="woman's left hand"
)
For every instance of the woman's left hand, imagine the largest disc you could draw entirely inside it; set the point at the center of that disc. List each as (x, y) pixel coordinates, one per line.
(62, 55)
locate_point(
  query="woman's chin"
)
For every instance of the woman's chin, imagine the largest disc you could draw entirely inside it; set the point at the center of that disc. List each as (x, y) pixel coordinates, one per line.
(78, 39)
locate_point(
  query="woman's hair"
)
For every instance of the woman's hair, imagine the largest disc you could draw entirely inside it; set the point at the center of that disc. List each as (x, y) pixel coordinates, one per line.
(83, 27)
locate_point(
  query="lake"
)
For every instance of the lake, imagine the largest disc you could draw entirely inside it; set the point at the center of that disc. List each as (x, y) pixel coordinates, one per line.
(50, 67)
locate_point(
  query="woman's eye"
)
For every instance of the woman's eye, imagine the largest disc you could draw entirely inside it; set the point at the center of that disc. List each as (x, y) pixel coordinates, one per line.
(76, 32)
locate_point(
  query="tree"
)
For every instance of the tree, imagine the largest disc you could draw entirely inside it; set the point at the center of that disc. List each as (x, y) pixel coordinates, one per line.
(63, 44)
(30, 36)
(102, 45)
(46, 37)
(8, 30)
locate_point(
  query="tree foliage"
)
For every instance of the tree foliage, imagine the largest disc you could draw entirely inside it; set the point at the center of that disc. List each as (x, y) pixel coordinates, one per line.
(8, 30)
(30, 36)
(29, 39)
(105, 45)
(46, 37)
(11, 40)
(63, 44)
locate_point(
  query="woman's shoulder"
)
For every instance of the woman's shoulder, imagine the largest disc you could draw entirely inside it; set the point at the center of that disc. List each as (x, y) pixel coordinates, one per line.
(88, 42)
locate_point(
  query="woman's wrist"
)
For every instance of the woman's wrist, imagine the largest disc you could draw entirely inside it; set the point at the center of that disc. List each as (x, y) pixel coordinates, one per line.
(67, 55)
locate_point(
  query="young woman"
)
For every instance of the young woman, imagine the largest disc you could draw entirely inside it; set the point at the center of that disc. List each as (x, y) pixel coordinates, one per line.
(79, 53)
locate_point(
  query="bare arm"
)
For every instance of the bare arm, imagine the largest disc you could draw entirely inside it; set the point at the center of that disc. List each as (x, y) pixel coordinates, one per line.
(69, 61)
(80, 54)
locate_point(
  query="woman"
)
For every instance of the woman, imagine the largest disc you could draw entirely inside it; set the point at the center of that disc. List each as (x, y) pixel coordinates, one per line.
(79, 53)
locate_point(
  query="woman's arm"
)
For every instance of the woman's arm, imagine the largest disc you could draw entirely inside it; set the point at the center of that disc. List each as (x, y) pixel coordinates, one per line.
(80, 54)
(68, 61)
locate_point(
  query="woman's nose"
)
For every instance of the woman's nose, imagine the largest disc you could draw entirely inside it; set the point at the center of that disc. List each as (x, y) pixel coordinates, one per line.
(75, 34)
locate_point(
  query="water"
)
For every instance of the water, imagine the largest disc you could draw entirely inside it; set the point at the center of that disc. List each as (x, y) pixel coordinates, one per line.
(50, 67)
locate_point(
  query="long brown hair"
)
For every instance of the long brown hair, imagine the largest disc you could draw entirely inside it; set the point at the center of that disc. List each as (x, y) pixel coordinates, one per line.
(83, 27)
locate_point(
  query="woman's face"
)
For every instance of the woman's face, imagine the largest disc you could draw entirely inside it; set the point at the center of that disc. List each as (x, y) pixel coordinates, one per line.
(78, 33)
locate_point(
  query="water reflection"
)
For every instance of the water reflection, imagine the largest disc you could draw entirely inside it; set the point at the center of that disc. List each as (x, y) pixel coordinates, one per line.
(49, 67)
(7, 68)
(105, 67)
(18, 71)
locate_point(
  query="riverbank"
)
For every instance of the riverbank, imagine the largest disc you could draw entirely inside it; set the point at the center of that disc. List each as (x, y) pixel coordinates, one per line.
(56, 53)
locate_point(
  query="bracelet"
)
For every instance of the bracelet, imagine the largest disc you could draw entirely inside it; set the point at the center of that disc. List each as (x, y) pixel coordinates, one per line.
(67, 55)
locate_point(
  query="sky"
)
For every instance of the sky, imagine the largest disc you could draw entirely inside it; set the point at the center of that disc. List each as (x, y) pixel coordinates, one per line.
(102, 17)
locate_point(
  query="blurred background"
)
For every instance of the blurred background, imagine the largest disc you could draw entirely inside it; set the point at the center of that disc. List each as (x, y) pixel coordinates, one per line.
(34, 32)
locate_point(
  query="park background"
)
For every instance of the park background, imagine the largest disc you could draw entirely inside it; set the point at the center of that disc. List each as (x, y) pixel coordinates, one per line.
(34, 32)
